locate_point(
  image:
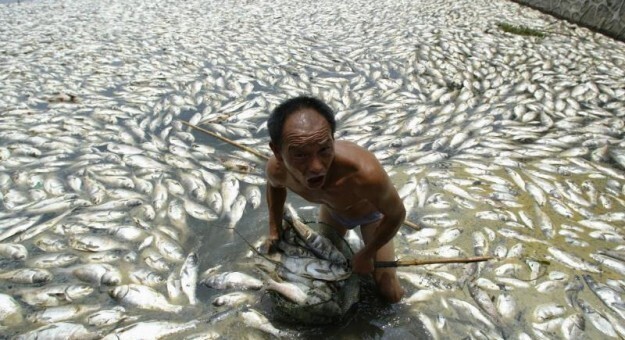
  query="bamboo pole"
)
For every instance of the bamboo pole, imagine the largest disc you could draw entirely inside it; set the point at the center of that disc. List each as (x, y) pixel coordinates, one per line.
(404, 263)
(412, 225)
(229, 141)
(262, 156)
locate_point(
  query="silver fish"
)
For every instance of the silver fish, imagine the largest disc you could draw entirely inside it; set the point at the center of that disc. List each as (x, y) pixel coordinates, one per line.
(236, 211)
(289, 290)
(61, 313)
(548, 311)
(159, 195)
(27, 275)
(253, 195)
(215, 201)
(195, 186)
(174, 288)
(573, 261)
(95, 190)
(254, 319)
(97, 273)
(169, 248)
(484, 302)
(506, 305)
(13, 251)
(10, 310)
(426, 281)
(54, 295)
(143, 297)
(108, 317)
(59, 330)
(572, 289)
(607, 295)
(233, 299)
(93, 243)
(573, 326)
(232, 280)
(597, 319)
(146, 277)
(318, 244)
(40, 228)
(470, 311)
(49, 243)
(188, 277)
(155, 260)
(52, 260)
(229, 192)
(150, 330)
(199, 211)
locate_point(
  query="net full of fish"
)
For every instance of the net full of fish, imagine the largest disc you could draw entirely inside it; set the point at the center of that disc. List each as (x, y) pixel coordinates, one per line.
(310, 275)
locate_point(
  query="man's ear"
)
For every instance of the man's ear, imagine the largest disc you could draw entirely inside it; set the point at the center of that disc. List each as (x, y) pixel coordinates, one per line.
(276, 151)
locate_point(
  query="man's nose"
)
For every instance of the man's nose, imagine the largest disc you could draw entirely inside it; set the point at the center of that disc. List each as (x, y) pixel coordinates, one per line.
(316, 166)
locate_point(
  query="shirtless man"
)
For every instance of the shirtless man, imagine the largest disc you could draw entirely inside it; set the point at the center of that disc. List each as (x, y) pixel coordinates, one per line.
(347, 180)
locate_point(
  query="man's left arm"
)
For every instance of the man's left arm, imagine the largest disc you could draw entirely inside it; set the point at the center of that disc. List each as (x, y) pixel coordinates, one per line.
(383, 195)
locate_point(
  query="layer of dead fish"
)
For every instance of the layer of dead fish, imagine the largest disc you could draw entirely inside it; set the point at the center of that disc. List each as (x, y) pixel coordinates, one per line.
(499, 145)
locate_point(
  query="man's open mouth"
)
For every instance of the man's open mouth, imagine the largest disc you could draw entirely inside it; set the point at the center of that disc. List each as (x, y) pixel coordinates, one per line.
(315, 181)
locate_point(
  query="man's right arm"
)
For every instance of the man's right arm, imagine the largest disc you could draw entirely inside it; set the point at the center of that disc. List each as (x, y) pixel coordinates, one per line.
(275, 200)
(276, 197)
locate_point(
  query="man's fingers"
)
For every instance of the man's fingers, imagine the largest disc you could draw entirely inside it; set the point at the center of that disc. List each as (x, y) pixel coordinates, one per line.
(271, 246)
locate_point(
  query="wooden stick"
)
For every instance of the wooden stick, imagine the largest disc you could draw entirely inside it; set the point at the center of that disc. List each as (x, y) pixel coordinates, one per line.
(265, 157)
(231, 142)
(412, 225)
(404, 263)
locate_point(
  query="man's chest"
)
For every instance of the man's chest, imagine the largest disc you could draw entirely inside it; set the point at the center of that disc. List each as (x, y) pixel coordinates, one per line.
(337, 196)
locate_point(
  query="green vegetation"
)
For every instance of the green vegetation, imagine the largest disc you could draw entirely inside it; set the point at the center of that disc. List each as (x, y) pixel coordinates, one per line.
(520, 30)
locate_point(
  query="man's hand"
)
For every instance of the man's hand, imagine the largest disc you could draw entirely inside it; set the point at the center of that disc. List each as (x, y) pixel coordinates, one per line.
(362, 263)
(271, 245)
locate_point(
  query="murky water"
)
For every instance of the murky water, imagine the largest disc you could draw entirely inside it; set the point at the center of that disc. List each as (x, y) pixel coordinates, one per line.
(435, 89)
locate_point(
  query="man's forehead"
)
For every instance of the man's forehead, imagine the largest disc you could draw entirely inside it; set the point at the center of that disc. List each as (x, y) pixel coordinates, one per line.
(303, 143)
(306, 117)
(306, 124)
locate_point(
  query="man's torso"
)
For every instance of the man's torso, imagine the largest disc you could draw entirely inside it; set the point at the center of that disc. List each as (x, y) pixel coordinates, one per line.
(341, 192)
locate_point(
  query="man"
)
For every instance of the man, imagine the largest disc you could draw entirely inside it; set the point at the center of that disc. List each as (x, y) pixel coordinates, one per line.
(347, 180)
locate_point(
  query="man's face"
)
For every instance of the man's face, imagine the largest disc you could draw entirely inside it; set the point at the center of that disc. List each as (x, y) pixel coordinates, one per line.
(307, 149)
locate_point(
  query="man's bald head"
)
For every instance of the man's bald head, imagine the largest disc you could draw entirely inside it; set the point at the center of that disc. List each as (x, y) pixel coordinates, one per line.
(301, 104)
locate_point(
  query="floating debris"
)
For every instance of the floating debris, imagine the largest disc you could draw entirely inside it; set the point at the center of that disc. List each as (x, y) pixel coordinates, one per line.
(520, 30)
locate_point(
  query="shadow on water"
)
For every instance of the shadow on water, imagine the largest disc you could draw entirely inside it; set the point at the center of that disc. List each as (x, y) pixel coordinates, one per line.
(370, 318)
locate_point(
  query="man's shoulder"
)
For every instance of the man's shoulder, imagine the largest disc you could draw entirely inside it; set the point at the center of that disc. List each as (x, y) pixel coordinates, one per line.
(366, 165)
(275, 172)
(347, 148)
(356, 154)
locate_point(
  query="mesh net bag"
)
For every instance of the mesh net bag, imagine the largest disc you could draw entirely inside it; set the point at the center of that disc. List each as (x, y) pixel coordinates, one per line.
(331, 311)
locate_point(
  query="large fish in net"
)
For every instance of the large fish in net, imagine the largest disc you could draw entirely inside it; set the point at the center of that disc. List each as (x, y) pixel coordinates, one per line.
(309, 278)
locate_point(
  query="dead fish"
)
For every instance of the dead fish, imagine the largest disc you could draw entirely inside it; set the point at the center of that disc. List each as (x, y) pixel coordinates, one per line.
(150, 330)
(59, 330)
(10, 311)
(188, 277)
(27, 275)
(232, 280)
(143, 297)
(13, 251)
